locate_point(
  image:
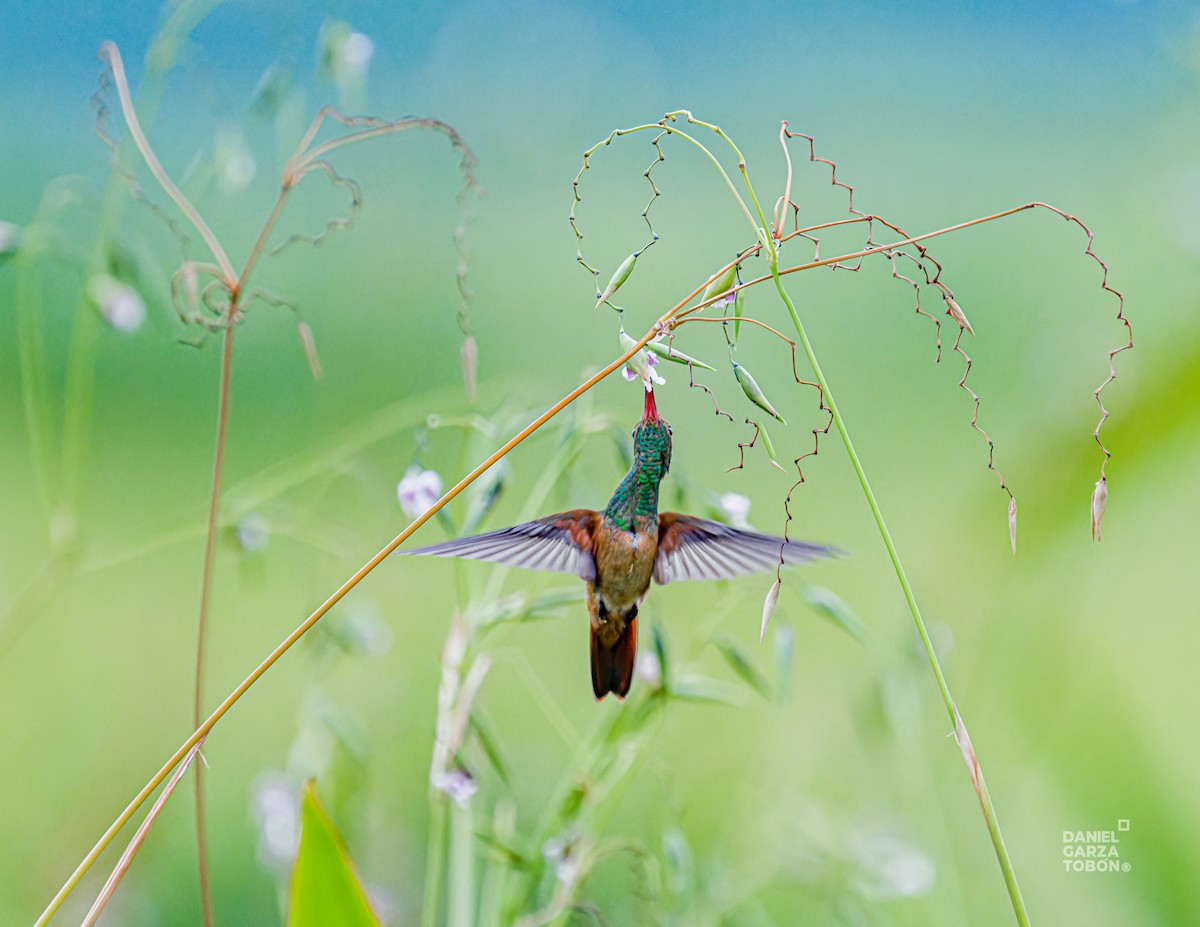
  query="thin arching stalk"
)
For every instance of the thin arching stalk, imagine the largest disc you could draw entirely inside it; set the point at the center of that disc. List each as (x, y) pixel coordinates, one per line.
(206, 582)
(680, 311)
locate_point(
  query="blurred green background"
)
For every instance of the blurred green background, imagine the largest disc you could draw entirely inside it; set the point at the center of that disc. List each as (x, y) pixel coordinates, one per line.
(843, 802)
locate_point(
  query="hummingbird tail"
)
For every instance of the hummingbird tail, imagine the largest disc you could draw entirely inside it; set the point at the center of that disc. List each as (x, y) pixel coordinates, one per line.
(612, 666)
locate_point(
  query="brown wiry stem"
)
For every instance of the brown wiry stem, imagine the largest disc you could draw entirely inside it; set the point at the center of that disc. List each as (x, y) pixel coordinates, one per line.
(228, 285)
(206, 582)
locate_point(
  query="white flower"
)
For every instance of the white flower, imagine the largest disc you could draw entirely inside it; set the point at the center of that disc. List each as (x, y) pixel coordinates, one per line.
(234, 164)
(9, 237)
(650, 361)
(649, 669)
(253, 532)
(457, 783)
(736, 507)
(118, 302)
(357, 52)
(418, 490)
(275, 807)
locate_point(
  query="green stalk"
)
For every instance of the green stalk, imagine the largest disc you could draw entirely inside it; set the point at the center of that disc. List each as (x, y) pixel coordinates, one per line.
(435, 856)
(460, 903)
(960, 732)
(985, 800)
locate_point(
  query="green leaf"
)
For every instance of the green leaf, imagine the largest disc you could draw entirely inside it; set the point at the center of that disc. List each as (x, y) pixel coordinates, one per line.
(688, 687)
(827, 602)
(489, 740)
(325, 889)
(747, 671)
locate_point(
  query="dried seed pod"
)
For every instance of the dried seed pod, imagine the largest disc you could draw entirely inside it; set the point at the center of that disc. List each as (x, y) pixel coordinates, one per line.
(769, 608)
(1099, 501)
(310, 348)
(954, 310)
(469, 356)
(754, 392)
(1012, 522)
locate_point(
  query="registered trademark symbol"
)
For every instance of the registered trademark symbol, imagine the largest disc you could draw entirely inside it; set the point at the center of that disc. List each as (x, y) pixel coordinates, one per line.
(1124, 867)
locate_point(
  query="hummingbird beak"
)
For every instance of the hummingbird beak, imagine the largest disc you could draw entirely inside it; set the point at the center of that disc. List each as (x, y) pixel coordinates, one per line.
(651, 412)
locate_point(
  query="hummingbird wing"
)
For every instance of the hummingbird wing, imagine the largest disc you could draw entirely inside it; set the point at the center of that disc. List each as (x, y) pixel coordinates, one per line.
(696, 548)
(558, 544)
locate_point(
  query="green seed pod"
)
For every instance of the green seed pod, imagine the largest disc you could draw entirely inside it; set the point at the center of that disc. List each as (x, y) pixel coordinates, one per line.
(666, 352)
(739, 304)
(618, 278)
(721, 285)
(754, 392)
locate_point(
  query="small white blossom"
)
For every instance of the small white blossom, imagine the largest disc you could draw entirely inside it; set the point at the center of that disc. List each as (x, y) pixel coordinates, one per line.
(234, 164)
(253, 533)
(275, 808)
(648, 669)
(631, 374)
(118, 302)
(9, 237)
(457, 783)
(418, 490)
(357, 51)
(736, 507)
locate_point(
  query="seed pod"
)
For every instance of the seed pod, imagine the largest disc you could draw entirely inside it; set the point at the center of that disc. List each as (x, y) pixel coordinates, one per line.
(666, 352)
(739, 303)
(469, 356)
(1099, 501)
(721, 285)
(769, 608)
(954, 310)
(310, 348)
(618, 278)
(754, 392)
(1012, 522)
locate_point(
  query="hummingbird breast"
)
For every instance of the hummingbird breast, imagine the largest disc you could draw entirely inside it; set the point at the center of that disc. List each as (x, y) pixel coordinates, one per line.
(624, 564)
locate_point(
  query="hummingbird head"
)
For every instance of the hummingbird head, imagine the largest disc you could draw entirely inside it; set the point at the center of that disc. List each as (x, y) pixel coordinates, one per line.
(652, 441)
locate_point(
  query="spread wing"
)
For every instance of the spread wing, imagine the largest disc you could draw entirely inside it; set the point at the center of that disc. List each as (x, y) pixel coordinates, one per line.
(696, 548)
(558, 544)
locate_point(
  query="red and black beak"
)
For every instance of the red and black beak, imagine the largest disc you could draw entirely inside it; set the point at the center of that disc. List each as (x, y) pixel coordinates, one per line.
(651, 411)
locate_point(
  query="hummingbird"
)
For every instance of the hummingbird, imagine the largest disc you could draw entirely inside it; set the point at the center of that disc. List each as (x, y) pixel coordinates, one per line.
(619, 550)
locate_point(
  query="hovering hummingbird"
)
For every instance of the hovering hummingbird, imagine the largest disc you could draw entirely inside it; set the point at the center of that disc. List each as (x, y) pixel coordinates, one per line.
(617, 551)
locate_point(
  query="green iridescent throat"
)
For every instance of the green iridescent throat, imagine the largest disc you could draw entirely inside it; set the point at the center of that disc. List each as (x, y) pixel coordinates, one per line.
(637, 494)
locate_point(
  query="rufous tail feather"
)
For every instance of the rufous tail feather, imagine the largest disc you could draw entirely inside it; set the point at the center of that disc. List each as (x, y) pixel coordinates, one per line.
(612, 667)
